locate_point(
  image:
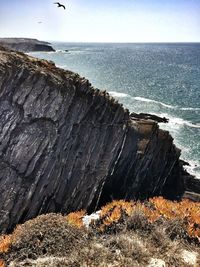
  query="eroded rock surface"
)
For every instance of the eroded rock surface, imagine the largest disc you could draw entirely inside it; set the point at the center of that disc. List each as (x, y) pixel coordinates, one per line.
(66, 146)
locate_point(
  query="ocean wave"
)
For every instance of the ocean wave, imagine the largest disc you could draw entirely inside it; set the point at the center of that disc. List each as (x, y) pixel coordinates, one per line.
(195, 109)
(179, 121)
(172, 120)
(174, 125)
(193, 168)
(62, 66)
(143, 99)
(138, 98)
(117, 94)
(184, 122)
(61, 51)
(45, 52)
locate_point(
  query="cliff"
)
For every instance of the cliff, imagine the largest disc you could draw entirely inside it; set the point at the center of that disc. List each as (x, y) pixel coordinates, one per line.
(25, 44)
(66, 146)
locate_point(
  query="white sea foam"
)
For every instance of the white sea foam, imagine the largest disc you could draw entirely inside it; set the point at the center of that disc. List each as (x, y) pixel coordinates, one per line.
(117, 94)
(175, 121)
(195, 109)
(172, 120)
(45, 52)
(138, 98)
(143, 99)
(60, 51)
(62, 66)
(181, 122)
(193, 168)
(174, 126)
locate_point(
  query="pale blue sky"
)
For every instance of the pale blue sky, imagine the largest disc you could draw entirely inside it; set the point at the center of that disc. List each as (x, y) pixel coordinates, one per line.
(103, 20)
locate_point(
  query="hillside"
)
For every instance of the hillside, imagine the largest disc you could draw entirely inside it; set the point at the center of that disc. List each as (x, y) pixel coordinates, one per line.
(155, 233)
(25, 44)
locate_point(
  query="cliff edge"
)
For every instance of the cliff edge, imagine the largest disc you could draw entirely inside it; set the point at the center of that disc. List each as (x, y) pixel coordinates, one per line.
(66, 146)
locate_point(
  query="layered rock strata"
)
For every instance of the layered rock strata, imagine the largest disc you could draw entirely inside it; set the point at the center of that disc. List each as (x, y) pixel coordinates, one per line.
(66, 146)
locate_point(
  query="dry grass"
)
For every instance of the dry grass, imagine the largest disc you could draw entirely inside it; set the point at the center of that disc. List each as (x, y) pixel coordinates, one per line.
(43, 236)
(126, 234)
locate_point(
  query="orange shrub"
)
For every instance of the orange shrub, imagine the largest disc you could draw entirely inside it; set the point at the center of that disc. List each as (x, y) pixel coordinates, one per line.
(2, 263)
(75, 218)
(5, 243)
(156, 208)
(186, 210)
(126, 206)
(113, 211)
(113, 217)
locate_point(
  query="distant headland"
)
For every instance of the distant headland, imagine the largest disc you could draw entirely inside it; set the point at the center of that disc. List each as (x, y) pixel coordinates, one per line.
(26, 44)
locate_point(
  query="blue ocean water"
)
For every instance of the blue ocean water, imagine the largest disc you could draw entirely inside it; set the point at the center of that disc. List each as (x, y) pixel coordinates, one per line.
(162, 79)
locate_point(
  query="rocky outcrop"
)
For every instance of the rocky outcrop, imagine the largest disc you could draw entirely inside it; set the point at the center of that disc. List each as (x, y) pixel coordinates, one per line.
(25, 44)
(66, 146)
(149, 117)
(192, 186)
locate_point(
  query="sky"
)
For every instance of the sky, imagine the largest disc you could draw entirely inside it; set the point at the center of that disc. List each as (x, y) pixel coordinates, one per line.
(102, 20)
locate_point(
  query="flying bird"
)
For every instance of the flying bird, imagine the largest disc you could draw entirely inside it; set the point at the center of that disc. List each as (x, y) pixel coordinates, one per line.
(59, 5)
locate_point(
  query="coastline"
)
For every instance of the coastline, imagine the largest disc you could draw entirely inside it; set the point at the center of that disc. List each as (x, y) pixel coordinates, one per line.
(25, 44)
(103, 135)
(181, 117)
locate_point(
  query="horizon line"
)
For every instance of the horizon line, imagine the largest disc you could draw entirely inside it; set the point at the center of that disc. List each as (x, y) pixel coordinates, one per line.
(111, 42)
(136, 42)
(124, 42)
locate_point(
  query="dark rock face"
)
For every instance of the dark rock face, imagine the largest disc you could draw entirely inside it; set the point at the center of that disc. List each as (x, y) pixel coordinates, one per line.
(66, 146)
(25, 44)
(192, 186)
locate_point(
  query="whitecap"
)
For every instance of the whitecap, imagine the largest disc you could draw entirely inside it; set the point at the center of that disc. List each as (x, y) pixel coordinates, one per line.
(195, 109)
(172, 120)
(60, 51)
(143, 99)
(45, 52)
(178, 121)
(117, 94)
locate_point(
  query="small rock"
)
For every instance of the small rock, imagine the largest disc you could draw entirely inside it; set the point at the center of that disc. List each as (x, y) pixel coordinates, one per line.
(156, 263)
(189, 257)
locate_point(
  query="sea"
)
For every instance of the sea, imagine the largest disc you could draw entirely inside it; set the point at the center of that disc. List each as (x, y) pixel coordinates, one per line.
(157, 78)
